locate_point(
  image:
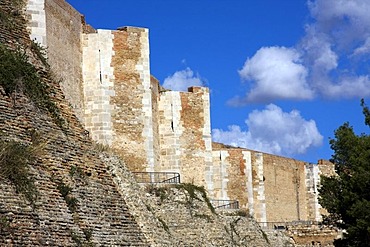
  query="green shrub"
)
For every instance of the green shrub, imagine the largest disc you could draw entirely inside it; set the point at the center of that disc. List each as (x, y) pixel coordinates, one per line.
(14, 160)
(10, 19)
(239, 212)
(4, 224)
(40, 52)
(204, 216)
(18, 75)
(165, 226)
(77, 172)
(76, 238)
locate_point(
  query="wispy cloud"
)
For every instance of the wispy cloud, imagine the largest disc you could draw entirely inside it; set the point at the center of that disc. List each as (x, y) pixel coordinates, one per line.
(273, 131)
(327, 62)
(182, 80)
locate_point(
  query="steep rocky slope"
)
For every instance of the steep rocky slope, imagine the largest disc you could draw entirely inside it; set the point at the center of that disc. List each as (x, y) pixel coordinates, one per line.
(184, 212)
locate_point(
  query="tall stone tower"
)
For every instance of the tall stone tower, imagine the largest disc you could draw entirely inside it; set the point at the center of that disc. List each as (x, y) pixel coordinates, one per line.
(117, 93)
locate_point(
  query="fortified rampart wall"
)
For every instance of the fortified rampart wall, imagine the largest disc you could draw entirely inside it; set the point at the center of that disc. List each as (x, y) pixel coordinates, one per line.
(117, 93)
(273, 188)
(185, 135)
(65, 159)
(107, 81)
(57, 26)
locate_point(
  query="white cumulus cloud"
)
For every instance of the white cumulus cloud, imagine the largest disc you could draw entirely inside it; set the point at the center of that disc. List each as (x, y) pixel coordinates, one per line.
(330, 61)
(273, 131)
(182, 80)
(276, 73)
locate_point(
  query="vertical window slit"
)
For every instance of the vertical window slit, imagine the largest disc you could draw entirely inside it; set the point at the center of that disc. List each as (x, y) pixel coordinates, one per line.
(100, 75)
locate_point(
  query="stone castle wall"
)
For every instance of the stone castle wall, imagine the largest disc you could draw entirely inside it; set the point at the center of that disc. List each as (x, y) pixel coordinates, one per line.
(64, 51)
(100, 209)
(273, 188)
(57, 26)
(108, 83)
(155, 90)
(185, 135)
(117, 93)
(132, 102)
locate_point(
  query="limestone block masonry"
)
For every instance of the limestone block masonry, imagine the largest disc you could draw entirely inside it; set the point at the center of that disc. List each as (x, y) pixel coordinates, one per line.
(170, 129)
(98, 85)
(105, 77)
(132, 102)
(57, 26)
(117, 93)
(185, 135)
(37, 21)
(272, 188)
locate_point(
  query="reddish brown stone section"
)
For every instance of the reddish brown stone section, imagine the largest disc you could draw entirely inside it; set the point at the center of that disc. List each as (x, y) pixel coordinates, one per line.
(155, 88)
(127, 115)
(193, 146)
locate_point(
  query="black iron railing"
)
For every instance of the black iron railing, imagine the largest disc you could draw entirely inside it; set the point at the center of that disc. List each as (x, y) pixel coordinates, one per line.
(157, 177)
(284, 225)
(225, 204)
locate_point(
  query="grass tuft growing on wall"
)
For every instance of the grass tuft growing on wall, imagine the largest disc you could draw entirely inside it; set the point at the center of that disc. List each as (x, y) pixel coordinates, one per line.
(15, 158)
(70, 200)
(192, 192)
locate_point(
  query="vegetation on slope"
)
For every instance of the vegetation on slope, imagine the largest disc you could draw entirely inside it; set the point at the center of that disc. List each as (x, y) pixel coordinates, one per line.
(15, 158)
(17, 75)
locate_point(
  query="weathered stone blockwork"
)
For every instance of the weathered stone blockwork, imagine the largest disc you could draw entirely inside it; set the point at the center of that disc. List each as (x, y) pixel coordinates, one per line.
(107, 81)
(99, 210)
(57, 26)
(273, 188)
(117, 93)
(132, 120)
(185, 135)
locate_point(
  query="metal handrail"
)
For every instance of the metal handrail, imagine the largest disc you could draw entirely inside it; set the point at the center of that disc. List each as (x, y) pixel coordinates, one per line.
(284, 225)
(157, 177)
(225, 204)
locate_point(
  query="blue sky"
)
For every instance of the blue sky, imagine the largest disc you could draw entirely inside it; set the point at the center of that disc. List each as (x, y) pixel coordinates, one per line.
(283, 75)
